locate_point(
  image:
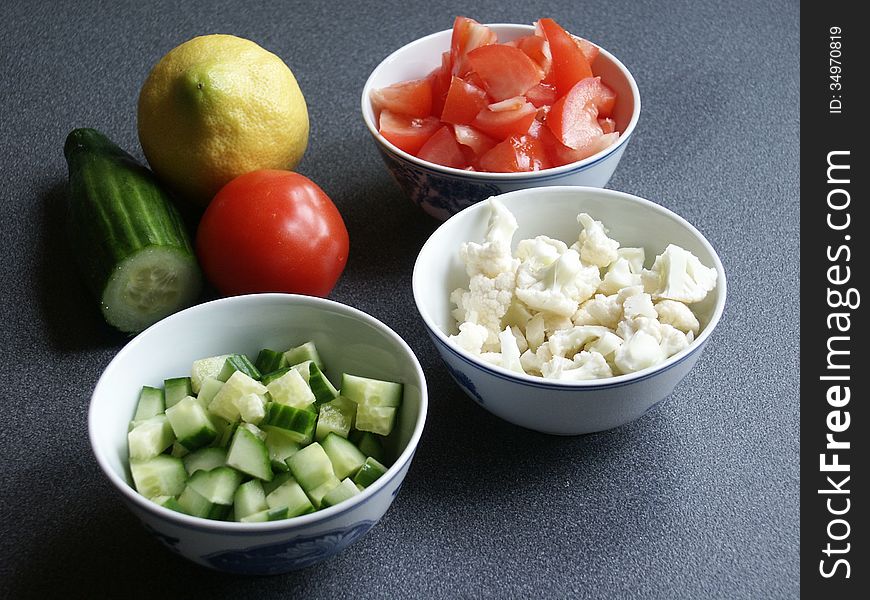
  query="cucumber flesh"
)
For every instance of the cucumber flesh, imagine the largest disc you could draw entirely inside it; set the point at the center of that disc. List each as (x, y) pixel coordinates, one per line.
(374, 392)
(150, 438)
(317, 494)
(270, 514)
(205, 368)
(346, 458)
(196, 505)
(238, 362)
(218, 485)
(205, 459)
(299, 354)
(151, 403)
(208, 389)
(249, 499)
(376, 419)
(249, 455)
(336, 416)
(343, 491)
(161, 475)
(291, 389)
(281, 444)
(291, 495)
(175, 389)
(311, 466)
(191, 423)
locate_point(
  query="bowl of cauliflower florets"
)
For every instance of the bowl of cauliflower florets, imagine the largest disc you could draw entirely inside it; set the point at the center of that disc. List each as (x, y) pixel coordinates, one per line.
(568, 310)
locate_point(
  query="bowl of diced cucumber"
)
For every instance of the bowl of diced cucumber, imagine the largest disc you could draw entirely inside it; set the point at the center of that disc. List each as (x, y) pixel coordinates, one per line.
(260, 434)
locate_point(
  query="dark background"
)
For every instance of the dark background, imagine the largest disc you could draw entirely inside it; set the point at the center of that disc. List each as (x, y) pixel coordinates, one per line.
(697, 499)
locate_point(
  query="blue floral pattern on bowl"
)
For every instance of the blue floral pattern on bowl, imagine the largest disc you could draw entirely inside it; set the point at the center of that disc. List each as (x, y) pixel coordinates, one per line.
(439, 195)
(298, 553)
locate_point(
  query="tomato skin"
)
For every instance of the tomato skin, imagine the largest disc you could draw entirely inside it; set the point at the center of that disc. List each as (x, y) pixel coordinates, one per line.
(516, 154)
(573, 118)
(272, 231)
(506, 71)
(502, 124)
(443, 149)
(407, 133)
(467, 35)
(463, 102)
(570, 65)
(413, 98)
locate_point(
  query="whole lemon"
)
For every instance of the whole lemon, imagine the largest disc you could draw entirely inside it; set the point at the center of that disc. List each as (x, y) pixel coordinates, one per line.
(218, 106)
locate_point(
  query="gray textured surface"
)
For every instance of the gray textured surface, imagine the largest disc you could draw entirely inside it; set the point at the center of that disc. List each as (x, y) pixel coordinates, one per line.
(697, 499)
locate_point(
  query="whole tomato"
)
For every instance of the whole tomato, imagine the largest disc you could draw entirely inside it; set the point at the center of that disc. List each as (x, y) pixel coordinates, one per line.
(272, 231)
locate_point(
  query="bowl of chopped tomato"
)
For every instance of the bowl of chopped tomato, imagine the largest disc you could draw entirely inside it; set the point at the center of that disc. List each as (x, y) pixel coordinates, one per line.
(479, 110)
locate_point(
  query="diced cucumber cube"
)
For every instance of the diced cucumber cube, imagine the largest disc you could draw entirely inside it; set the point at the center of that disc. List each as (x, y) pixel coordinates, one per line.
(291, 389)
(311, 467)
(322, 388)
(225, 432)
(161, 475)
(282, 445)
(316, 495)
(255, 430)
(298, 422)
(178, 450)
(299, 354)
(369, 472)
(224, 403)
(249, 454)
(369, 444)
(249, 499)
(343, 491)
(205, 368)
(175, 389)
(269, 360)
(218, 485)
(376, 419)
(374, 392)
(191, 424)
(197, 505)
(291, 495)
(336, 416)
(235, 363)
(150, 438)
(252, 408)
(205, 459)
(151, 403)
(271, 514)
(346, 458)
(208, 390)
(277, 374)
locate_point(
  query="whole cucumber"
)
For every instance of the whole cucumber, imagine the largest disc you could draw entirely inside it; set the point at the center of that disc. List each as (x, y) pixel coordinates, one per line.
(129, 239)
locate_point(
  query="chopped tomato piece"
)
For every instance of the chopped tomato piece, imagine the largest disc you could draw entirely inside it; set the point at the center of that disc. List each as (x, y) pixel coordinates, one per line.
(504, 123)
(506, 72)
(569, 63)
(443, 149)
(463, 102)
(475, 80)
(478, 142)
(516, 154)
(590, 50)
(537, 48)
(607, 125)
(468, 34)
(543, 94)
(559, 154)
(407, 133)
(574, 117)
(440, 81)
(412, 98)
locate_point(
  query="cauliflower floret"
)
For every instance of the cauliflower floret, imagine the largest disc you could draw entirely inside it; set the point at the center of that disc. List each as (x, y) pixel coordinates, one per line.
(593, 245)
(535, 332)
(522, 343)
(619, 275)
(471, 337)
(552, 369)
(510, 351)
(493, 358)
(493, 256)
(559, 287)
(639, 351)
(534, 361)
(485, 302)
(638, 305)
(570, 341)
(606, 345)
(554, 323)
(540, 252)
(629, 327)
(677, 274)
(600, 310)
(518, 314)
(679, 315)
(587, 365)
(673, 340)
(635, 257)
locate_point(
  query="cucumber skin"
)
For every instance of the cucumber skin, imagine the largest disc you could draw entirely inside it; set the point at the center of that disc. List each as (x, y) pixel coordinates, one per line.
(116, 208)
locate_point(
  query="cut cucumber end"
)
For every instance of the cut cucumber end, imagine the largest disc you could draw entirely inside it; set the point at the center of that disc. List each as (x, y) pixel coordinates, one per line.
(149, 285)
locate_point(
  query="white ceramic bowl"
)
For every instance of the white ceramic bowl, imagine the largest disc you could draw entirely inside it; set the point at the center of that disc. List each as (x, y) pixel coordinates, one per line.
(549, 406)
(443, 191)
(348, 340)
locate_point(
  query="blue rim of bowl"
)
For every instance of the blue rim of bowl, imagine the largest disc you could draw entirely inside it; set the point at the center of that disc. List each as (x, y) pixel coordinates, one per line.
(612, 382)
(542, 175)
(189, 522)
